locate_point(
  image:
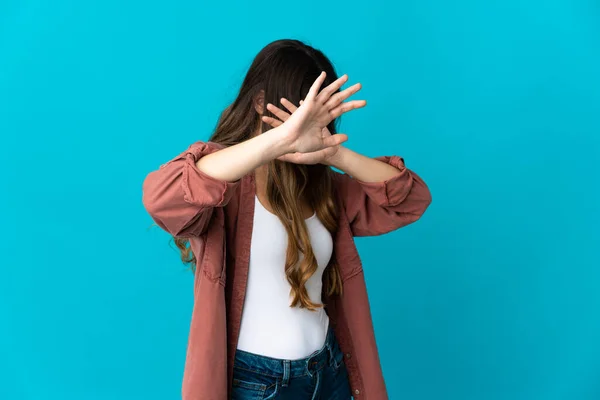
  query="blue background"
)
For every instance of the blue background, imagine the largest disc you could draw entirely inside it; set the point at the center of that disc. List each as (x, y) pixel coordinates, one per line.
(493, 295)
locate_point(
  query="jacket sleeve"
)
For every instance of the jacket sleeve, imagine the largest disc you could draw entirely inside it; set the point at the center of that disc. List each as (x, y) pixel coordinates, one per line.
(375, 208)
(180, 198)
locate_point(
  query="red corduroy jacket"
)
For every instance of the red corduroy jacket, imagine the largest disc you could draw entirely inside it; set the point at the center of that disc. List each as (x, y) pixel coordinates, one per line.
(217, 218)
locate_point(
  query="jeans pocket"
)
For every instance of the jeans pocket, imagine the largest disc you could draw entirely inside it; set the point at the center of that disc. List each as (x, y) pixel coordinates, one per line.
(338, 361)
(243, 390)
(337, 357)
(249, 385)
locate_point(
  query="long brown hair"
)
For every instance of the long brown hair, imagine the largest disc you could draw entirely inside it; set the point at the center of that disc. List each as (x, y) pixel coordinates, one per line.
(285, 68)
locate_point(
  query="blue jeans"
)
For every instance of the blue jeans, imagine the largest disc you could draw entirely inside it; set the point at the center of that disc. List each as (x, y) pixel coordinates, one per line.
(321, 376)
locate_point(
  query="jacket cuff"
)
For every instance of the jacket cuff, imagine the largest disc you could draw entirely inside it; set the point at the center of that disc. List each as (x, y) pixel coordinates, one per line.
(393, 191)
(200, 188)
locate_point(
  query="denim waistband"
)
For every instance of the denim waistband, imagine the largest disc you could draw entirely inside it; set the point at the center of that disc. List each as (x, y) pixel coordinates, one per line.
(290, 368)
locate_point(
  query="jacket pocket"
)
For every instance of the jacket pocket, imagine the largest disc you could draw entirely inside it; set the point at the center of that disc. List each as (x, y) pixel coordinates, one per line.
(213, 263)
(345, 251)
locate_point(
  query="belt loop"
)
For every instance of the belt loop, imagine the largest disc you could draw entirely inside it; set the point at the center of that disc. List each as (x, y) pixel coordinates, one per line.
(286, 373)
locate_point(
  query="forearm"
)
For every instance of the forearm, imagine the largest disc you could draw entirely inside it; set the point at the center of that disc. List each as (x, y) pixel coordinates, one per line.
(361, 167)
(233, 162)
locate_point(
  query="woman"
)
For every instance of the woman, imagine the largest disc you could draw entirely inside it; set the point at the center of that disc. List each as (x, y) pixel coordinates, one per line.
(281, 309)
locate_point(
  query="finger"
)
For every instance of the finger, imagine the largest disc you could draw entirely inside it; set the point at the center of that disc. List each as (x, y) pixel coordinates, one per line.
(315, 156)
(339, 97)
(289, 105)
(286, 157)
(296, 158)
(307, 158)
(301, 101)
(271, 121)
(331, 89)
(334, 140)
(345, 107)
(278, 112)
(314, 89)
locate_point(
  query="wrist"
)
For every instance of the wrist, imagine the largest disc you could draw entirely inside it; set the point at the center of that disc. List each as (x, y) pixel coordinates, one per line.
(275, 143)
(338, 159)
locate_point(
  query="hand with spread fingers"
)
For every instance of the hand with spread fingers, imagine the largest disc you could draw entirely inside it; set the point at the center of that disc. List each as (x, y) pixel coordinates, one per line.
(306, 125)
(315, 157)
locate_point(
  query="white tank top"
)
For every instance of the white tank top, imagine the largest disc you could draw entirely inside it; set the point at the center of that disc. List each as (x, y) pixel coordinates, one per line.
(270, 327)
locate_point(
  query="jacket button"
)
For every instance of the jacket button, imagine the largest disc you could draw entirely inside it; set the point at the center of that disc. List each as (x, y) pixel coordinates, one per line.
(357, 391)
(348, 355)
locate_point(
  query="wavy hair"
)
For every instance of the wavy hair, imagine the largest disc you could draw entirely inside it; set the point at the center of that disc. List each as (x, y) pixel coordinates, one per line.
(285, 68)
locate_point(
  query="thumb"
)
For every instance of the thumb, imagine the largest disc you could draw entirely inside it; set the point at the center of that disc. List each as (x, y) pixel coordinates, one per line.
(334, 140)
